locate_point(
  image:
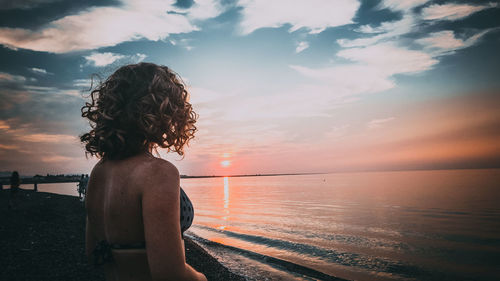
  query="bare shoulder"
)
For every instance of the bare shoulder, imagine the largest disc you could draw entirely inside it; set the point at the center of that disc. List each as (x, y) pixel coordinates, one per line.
(97, 173)
(165, 167)
(97, 169)
(160, 169)
(158, 175)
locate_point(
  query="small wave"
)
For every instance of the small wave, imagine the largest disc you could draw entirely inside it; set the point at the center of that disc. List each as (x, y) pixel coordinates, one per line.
(298, 269)
(371, 264)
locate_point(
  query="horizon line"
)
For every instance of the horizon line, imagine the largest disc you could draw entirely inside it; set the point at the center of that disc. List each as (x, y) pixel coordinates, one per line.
(296, 174)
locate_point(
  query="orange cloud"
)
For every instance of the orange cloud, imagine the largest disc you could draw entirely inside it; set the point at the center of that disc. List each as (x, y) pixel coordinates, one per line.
(48, 138)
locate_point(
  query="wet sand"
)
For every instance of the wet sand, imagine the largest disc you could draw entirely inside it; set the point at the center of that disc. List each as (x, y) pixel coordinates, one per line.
(43, 238)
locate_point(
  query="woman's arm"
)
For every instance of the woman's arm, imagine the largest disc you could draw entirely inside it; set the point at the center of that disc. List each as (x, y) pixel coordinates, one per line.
(162, 230)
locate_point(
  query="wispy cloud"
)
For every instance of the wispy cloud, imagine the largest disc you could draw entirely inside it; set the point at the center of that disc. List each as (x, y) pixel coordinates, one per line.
(384, 32)
(371, 69)
(301, 46)
(6, 77)
(37, 123)
(390, 59)
(57, 138)
(139, 57)
(4, 125)
(8, 147)
(314, 15)
(53, 91)
(403, 5)
(82, 83)
(377, 123)
(445, 42)
(56, 159)
(40, 71)
(453, 11)
(387, 51)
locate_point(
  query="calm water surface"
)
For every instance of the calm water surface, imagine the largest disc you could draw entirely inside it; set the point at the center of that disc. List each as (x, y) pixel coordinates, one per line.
(416, 225)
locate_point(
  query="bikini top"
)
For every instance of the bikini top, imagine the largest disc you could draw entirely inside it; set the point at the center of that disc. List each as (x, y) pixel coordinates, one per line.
(102, 251)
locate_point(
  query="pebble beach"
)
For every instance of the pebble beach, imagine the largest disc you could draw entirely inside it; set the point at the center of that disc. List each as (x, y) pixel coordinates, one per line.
(43, 238)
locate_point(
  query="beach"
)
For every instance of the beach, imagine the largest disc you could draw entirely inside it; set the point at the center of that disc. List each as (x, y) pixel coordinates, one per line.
(43, 238)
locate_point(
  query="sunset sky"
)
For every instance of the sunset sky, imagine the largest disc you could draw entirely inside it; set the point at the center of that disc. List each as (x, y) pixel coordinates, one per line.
(280, 86)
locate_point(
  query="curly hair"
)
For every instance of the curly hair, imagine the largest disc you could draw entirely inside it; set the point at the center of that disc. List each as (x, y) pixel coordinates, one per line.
(139, 107)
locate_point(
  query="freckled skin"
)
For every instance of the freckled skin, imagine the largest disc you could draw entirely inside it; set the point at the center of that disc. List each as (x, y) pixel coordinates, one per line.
(135, 200)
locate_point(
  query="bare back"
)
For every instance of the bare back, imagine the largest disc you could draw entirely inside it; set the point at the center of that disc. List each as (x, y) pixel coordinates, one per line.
(114, 200)
(115, 214)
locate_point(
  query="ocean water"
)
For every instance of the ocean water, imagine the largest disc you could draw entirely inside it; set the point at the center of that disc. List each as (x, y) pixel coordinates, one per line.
(405, 225)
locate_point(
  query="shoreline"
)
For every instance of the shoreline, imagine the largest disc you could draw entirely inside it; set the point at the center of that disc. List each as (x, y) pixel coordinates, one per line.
(256, 266)
(43, 238)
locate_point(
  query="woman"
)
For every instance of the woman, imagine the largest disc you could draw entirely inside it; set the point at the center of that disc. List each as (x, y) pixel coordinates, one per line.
(133, 198)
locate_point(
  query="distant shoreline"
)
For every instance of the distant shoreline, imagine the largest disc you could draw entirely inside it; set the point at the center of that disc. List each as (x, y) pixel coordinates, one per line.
(254, 175)
(5, 180)
(73, 178)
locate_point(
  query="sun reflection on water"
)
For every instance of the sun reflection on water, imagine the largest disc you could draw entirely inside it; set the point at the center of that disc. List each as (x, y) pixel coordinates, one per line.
(226, 203)
(226, 195)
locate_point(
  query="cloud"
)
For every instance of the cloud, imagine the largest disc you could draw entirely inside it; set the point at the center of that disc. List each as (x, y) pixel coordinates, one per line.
(397, 27)
(452, 11)
(314, 15)
(348, 80)
(40, 71)
(52, 91)
(402, 5)
(56, 159)
(102, 59)
(445, 42)
(106, 26)
(139, 57)
(107, 58)
(205, 9)
(21, 143)
(82, 83)
(57, 138)
(371, 50)
(390, 31)
(184, 43)
(301, 46)
(385, 32)
(8, 147)
(4, 125)
(371, 69)
(390, 59)
(377, 123)
(6, 77)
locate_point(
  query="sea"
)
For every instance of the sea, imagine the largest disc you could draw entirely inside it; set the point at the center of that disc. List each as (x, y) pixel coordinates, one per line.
(397, 225)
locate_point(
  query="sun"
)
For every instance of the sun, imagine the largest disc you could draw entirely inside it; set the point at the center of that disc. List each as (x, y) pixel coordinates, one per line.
(225, 163)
